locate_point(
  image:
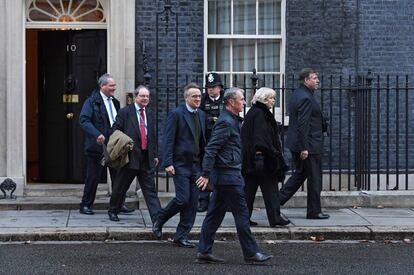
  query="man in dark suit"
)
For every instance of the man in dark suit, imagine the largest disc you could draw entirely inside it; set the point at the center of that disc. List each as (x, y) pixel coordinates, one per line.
(222, 167)
(96, 119)
(305, 140)
(138, 122)
(183, 146)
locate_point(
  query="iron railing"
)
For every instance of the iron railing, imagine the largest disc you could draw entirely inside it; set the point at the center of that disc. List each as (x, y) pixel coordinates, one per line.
(370, 140)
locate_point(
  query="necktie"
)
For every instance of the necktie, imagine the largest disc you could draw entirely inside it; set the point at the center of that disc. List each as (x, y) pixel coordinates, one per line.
(111, 112)
(142, 129)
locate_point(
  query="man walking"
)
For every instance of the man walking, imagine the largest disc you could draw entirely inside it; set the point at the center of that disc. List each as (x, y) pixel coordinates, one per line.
(305, 141)
(183, 146)
(96, 119)
(222, 168)
(138, 122)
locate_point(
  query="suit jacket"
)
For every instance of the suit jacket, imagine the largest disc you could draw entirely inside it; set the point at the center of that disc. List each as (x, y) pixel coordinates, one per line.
(127, 122)
(178, 140)
(223, 152)
(94, 120)
(305, 122)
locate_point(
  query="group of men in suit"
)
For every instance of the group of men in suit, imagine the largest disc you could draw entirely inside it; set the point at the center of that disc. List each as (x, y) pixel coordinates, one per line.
(195, 164)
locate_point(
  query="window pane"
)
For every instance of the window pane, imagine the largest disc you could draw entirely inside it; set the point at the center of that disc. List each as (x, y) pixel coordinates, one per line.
(268, 59)
(244, 14)
(218, 51)
(269, 17)
(243, 55)
(219, 16)
(244, 82)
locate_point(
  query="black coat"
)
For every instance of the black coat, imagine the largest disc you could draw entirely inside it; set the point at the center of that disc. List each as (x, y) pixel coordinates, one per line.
(305, 122)
(94, 121)
(260, 133)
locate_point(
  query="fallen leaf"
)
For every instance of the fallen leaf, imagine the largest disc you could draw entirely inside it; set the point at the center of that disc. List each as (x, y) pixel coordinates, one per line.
(270, 242)
(320, 238)
(28, 242)
(380, 206)
(356, 207)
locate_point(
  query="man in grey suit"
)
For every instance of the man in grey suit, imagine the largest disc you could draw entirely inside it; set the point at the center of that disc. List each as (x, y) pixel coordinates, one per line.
(305, 141)
(138, 122)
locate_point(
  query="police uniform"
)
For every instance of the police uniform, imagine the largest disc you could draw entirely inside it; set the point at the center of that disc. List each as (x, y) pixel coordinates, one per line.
(212, 107)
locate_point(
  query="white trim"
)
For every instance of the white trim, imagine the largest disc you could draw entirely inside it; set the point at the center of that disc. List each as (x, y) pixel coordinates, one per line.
(57, 25)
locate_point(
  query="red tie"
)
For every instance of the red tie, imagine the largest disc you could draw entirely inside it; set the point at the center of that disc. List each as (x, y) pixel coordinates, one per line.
(142, 129)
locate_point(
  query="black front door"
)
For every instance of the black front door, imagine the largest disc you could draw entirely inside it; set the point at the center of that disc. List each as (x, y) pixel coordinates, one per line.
(69, 64)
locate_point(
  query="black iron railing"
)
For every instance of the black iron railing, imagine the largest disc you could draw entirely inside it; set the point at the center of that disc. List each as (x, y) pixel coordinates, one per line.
(370, 139)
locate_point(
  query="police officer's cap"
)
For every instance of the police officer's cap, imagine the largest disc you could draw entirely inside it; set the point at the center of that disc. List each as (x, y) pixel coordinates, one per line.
(213, 79)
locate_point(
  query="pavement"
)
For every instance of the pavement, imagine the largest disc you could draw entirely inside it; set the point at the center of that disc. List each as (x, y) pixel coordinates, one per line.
(353, 223)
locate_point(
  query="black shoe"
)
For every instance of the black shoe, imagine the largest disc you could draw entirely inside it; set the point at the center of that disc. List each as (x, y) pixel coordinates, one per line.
(157, 229)
(202, 207)
(258, 258)
(319, 216)
(113, 216)
(208, 259)
(184, 243)
(86, 210)
(125, 209)
(252, 223)
(280, 221)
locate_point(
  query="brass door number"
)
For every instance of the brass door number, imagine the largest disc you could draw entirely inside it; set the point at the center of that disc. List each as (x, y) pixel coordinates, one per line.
(70, 98)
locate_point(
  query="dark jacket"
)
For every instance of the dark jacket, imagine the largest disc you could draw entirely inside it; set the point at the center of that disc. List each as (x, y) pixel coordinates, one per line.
(178, 140)
(212, 110)
(94, 121)
(305, 122)
(260, 133)
(223, 151)
(127, 122)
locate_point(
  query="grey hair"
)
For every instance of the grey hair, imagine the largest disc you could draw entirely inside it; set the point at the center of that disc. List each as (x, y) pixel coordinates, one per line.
(138, 89)
(231, 93)
(103, 79)
(191, 85)
(263, 94)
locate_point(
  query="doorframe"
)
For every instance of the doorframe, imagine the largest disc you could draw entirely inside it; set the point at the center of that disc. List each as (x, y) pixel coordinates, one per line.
(120, 62)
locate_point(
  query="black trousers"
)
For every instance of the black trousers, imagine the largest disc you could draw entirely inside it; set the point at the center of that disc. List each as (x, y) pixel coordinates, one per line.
(94, 172)
(146, 181)
(270, 191)
(310, 169)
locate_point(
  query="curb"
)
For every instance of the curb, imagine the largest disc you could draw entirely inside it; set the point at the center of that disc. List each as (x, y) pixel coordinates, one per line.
(107, 234)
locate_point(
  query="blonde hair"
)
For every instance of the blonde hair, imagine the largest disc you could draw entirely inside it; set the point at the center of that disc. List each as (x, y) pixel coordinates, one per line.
(263, 94)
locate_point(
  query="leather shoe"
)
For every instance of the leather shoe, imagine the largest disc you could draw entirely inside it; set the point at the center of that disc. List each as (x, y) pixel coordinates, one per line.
(258, 258)
(113, 216)
(280, 221)
(125, 209)
(183, 243)
(208, 258)
(252, 223)
(157, 229)
(319, 216)
(86, 210)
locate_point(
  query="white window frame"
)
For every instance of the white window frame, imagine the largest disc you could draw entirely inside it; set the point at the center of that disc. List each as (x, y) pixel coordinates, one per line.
(281, 37)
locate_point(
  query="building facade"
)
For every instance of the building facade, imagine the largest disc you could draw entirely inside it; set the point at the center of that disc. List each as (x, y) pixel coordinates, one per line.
(54, 49)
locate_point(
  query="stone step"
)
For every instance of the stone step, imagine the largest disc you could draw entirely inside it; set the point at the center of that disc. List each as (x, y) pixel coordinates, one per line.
(60, 190)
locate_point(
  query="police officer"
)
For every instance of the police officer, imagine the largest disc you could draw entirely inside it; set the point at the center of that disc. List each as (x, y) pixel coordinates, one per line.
(211, 104)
